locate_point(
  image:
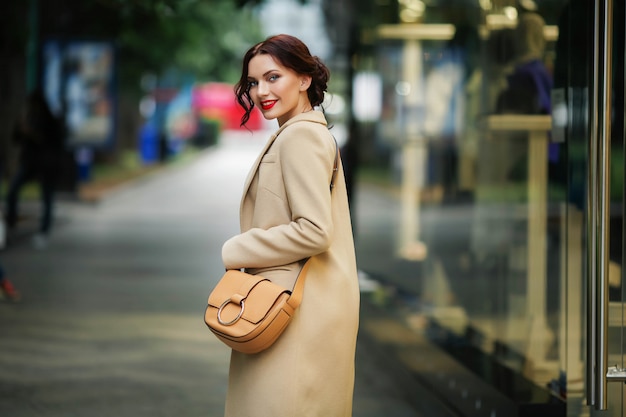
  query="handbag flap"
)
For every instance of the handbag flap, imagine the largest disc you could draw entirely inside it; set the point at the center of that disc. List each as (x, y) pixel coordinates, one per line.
(259, 294)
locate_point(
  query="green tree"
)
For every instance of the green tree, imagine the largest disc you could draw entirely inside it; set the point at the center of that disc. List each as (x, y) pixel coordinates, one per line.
(203, 38)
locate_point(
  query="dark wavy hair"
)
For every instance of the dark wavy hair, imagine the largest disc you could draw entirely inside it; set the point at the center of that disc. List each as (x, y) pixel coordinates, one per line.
(291, 53)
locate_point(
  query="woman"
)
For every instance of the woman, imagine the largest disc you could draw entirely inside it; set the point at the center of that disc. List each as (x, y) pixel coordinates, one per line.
(289, 213)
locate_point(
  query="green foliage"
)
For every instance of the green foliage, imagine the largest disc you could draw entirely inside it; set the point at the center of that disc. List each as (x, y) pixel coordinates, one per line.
(203, 38)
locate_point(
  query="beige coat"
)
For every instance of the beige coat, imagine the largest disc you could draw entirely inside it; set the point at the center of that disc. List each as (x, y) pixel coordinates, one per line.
(288, 214)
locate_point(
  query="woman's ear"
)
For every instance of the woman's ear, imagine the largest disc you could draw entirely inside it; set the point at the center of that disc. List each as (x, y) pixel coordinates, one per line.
(305, 82)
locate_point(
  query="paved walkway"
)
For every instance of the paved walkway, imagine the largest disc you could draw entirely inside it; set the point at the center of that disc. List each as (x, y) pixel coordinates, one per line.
(111, 319)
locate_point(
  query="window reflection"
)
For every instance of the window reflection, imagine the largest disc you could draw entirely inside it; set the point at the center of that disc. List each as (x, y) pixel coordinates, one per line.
(469, 158)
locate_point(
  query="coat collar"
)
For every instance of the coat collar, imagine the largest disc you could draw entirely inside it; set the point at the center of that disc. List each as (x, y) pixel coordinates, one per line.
(309, 116)
(314, 116)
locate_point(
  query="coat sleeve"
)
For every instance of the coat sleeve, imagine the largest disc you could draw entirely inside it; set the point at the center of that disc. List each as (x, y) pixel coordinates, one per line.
(307, 158)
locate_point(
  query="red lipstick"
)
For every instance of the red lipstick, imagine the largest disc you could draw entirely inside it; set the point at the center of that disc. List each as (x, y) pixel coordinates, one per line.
(266, 105)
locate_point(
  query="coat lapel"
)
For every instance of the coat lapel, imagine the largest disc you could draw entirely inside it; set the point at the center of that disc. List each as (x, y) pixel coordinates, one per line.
(256, 164)
(315, 116)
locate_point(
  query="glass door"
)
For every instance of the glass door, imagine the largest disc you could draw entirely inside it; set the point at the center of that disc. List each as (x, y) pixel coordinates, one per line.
(589, 86)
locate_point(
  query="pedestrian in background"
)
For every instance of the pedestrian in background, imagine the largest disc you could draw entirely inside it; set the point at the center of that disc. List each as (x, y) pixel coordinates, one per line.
(39, 136)
(288, 215)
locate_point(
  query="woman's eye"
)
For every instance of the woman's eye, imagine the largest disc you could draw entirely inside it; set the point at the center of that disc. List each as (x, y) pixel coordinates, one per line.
(273, 77)
(252, 84)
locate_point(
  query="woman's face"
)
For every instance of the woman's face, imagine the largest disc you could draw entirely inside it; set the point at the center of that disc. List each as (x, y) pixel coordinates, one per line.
(279, 92)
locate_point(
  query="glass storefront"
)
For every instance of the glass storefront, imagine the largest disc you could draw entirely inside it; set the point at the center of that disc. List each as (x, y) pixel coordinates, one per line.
(490, 193)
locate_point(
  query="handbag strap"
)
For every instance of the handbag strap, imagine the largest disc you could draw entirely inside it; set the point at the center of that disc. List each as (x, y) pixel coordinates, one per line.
(295, 298)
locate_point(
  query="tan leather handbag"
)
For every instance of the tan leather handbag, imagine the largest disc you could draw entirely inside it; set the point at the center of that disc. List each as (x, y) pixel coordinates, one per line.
(249, 312)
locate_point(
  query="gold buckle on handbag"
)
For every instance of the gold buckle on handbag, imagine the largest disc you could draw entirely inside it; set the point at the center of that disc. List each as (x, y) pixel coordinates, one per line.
(230, 323)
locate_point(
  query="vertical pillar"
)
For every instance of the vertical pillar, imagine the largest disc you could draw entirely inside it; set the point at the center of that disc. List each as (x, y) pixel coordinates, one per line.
(413, 151)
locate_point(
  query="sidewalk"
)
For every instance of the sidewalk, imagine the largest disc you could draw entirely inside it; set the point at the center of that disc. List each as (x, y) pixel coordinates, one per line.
(110, 323)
